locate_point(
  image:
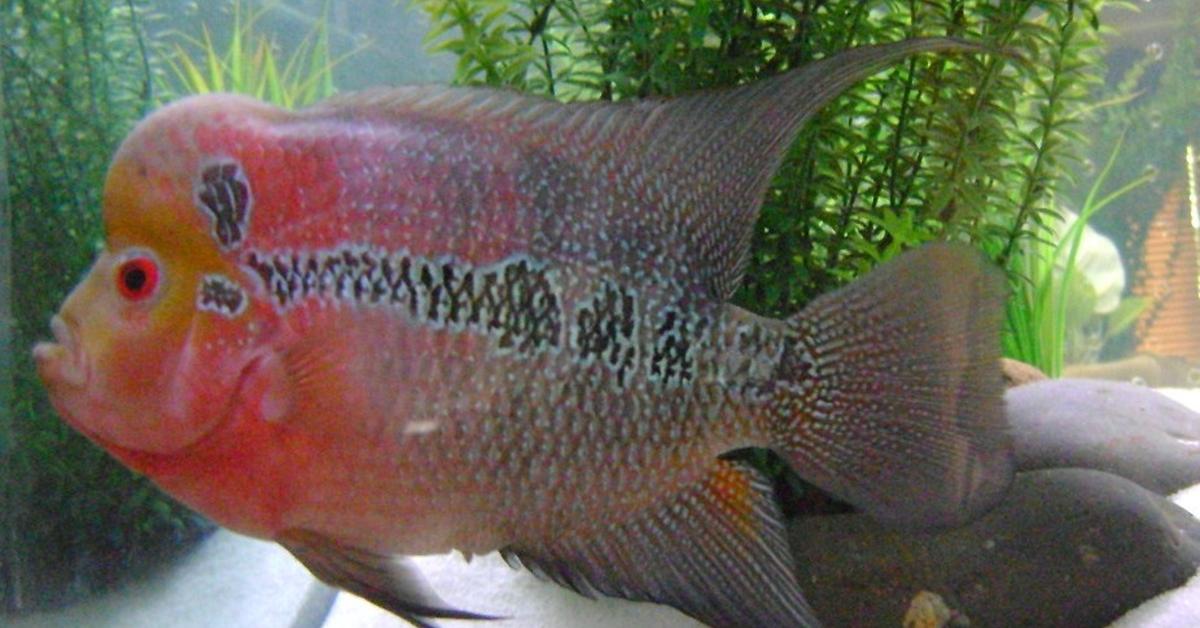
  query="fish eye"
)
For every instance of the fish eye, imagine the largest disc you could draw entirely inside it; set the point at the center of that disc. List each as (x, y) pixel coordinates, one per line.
(137, 278)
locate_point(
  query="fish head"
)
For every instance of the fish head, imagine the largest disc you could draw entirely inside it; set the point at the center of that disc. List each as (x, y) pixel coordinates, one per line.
(162, 339)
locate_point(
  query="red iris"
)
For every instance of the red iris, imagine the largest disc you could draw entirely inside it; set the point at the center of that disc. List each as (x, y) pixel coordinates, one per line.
(137, 278)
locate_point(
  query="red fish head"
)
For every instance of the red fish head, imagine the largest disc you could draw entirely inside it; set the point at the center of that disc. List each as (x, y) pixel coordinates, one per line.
(162, 340)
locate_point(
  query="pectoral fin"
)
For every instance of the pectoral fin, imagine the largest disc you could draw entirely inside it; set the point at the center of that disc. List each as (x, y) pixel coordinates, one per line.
(388, 581)
(717, 552)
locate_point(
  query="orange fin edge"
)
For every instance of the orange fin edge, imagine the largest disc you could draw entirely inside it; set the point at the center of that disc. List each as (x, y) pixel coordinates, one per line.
(717, 551)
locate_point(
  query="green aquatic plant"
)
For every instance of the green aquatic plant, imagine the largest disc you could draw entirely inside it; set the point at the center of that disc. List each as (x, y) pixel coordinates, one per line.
(1049, 294)
(249, 64)
(966, 147)
(1155, 108)
(1154, 98)
(74, 77)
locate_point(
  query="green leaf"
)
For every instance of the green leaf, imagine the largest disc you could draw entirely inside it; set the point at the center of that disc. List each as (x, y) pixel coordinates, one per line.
(249, 65)
(1126, 313)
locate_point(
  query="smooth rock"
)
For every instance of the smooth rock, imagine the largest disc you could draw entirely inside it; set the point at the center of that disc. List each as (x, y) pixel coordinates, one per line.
(1067, 547)
(1144, 369)
(1131, 431)
(1017, 373)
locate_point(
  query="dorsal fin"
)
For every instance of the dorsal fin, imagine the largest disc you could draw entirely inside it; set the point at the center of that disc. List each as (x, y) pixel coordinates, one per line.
(727, 145)
(679, 181)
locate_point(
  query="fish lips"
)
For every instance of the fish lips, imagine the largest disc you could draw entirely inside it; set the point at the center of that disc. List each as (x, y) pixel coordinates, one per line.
(63, 368)
(62, 363)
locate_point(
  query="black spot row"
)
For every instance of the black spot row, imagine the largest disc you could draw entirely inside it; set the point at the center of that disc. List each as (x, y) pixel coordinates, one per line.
(606, 330)
(219, 294)
(673, 359)
(513, 299)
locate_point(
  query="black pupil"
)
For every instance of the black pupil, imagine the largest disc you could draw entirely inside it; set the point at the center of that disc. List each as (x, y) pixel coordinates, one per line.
(135, 279)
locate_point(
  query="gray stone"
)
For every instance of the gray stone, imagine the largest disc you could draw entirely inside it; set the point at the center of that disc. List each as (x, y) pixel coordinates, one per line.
(1067, 547)
(1128, 430)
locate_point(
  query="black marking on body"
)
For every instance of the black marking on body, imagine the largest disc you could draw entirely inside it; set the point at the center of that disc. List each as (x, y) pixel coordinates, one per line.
(221, 295)
(529, 309)
(515, 300)
(224, 193)
(606, 330)
(673, 361)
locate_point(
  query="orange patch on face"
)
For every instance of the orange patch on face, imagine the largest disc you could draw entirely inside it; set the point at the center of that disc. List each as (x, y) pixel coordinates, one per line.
(139, 212)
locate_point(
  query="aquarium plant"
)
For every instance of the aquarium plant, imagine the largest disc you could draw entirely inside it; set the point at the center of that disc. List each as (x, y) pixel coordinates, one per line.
(1052, 303)
(249, 62)
(1154, 108)
(76, 76)
(1154, 100)
(967, 147)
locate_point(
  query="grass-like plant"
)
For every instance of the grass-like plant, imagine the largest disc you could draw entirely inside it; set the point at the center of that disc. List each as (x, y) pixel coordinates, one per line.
(1039, 310)
(249, 64)
(1146, 119)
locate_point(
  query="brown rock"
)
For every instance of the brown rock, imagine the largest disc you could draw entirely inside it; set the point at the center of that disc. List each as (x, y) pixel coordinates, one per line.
(1017, 372)
(1144, 369)
(1066, 548)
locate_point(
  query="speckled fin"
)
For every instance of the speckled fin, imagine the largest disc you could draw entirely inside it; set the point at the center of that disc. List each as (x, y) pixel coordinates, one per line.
(717, 552)
(695, 167)
(891, 397)
(387, 581)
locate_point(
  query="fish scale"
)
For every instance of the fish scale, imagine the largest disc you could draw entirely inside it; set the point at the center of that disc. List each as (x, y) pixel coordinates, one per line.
(552, 451)
(415, 320)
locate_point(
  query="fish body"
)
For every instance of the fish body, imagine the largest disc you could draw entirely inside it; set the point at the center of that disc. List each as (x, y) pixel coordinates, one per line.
(409, 321)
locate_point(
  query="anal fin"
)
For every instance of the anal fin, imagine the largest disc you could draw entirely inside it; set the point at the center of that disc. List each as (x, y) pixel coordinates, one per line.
(386, 581)
(716, 551)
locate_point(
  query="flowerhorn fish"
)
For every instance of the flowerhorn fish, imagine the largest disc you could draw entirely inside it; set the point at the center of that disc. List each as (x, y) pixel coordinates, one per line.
(408, 321)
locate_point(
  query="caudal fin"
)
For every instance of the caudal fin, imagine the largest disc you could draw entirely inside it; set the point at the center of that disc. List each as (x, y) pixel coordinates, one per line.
(891, 396)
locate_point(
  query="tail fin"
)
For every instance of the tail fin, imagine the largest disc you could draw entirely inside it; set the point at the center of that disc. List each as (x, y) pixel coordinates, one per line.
(891, 395)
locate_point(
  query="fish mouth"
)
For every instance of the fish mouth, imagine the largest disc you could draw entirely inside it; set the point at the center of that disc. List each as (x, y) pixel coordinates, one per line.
(61, 361)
